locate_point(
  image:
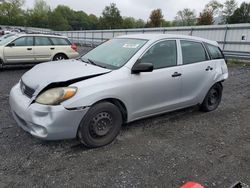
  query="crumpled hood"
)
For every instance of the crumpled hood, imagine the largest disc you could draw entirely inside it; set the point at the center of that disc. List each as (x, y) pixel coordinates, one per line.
(44, 74)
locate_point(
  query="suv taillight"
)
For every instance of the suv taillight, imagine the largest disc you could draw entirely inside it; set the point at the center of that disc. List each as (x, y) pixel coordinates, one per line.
(74, 47)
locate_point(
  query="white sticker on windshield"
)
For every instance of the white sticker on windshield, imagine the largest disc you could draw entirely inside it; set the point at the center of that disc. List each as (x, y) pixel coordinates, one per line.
(131, 45)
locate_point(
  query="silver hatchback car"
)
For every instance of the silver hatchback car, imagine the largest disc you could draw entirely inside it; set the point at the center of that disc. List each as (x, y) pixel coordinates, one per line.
(123, 80)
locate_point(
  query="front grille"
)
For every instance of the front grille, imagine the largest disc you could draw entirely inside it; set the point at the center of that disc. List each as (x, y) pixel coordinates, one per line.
(26, 90)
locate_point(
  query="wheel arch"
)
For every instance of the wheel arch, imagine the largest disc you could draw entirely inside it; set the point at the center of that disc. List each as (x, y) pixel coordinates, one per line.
(1, 62)
(59, 53)
(117, 102)
(204, 96)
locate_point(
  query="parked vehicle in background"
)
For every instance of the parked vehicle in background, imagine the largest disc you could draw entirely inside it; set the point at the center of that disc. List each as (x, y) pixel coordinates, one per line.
(1, 31)
(5, 32)
(6, 36)
(35, 48)
(122, 80)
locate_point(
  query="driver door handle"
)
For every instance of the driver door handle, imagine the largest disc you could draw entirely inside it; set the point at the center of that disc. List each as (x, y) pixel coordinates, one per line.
(176, 74)
(29, 48)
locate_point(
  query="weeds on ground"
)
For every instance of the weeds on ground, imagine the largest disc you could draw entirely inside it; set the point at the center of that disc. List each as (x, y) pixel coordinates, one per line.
(238, 62)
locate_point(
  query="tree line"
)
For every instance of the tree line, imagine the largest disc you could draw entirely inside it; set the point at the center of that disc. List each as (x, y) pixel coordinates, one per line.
(65, 18)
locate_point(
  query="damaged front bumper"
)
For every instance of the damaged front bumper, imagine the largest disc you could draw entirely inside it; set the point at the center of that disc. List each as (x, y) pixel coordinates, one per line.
(43, 121)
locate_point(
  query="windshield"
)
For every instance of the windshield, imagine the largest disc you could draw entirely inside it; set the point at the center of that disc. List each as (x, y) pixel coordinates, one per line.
(6, 40)
(114, 53)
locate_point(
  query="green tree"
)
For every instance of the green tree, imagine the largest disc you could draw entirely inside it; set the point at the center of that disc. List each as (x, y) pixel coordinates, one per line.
(215, 7)
(38, 17)
(186, 17)
(140, 23)
(93, 22)
(80, 21)
(156, 18)
(11, 12)
(241, 14)
(206, 17)
(128, 22)
(229, 7)
(57, 22)
(67, 13)
(166, 23)
(111, 17)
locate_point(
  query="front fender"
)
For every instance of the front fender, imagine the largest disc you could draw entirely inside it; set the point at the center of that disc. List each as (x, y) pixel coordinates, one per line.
(96, 89)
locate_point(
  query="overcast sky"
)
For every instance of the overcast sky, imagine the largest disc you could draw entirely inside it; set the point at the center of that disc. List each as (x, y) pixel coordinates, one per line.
(135, 8)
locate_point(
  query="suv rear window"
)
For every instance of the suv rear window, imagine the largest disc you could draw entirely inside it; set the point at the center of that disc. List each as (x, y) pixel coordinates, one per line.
(60, 41)
(193, 52)
(214, 51)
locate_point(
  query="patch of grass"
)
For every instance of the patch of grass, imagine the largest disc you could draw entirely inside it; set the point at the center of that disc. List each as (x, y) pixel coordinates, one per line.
(238, 62)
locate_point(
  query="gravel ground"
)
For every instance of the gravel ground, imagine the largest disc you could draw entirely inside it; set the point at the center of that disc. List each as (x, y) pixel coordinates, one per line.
(165, 151)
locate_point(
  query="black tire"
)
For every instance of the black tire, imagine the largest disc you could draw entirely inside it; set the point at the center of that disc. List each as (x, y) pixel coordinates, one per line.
(59, 57)
(1, 64)
(100, 126)
(213, 98)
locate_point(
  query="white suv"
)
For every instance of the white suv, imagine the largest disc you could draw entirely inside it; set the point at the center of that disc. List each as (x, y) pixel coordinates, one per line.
(35, 48)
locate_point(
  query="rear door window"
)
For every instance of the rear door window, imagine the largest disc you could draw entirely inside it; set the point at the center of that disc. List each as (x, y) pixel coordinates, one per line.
(60, 41)
(214, 51)
(42, 41)
(192, 52)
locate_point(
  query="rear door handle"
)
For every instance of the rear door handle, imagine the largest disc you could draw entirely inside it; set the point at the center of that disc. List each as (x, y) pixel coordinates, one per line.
(209, 68)
(29, 48)
(52, 48)
(176, 74)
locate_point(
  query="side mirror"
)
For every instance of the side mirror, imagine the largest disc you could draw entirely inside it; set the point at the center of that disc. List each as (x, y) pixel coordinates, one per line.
(11, 44)
(142, 67)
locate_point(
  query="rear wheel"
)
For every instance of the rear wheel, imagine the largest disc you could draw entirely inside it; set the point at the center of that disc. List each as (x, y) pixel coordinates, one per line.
(100, 125)
(1, 63)
(59, 57)
(213, 98)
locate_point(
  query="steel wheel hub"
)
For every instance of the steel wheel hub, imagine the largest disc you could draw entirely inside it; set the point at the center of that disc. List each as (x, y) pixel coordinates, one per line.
(101, 124)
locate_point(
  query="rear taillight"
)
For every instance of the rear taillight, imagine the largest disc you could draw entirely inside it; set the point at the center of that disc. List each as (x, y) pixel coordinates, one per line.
(74, 47)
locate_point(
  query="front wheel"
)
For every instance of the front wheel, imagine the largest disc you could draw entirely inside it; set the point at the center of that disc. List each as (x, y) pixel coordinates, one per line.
(212, 99)
(1, 64)
(100, 125)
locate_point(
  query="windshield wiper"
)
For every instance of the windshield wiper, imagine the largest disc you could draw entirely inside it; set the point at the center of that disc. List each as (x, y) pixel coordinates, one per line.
(90, 61)
(93, 63)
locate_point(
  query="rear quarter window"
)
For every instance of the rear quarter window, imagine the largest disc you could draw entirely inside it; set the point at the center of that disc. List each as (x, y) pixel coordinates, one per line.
(214, 52)
(60, 41)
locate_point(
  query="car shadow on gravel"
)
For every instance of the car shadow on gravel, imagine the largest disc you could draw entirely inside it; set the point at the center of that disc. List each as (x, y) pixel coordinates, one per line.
(128, 130)
(156, 120)
(16, 68)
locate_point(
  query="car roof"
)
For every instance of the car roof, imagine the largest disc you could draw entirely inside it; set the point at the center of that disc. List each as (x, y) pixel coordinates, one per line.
(156, 37)
(40, 35)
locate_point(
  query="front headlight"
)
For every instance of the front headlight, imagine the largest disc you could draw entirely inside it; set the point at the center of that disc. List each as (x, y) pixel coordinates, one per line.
(56, 95)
